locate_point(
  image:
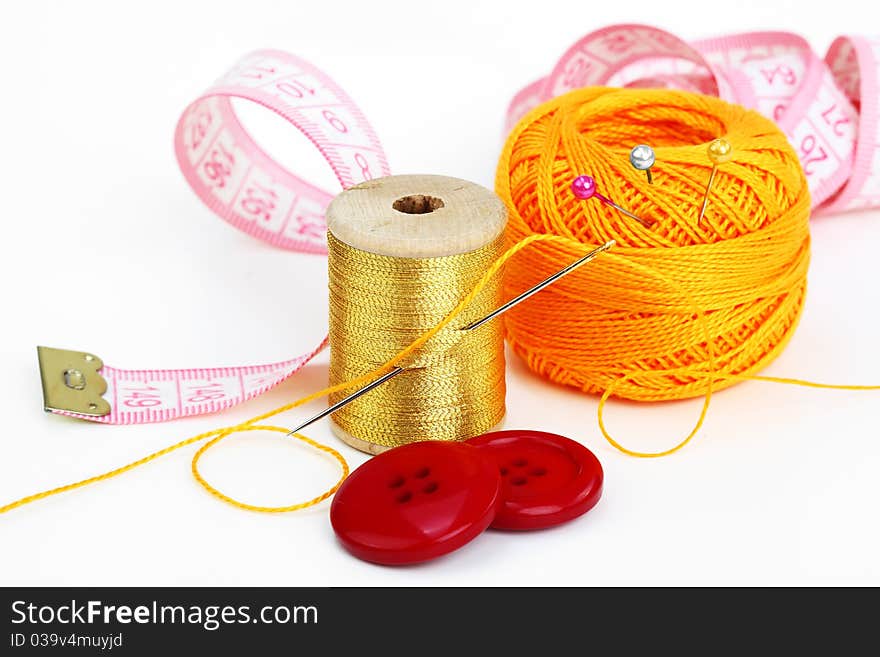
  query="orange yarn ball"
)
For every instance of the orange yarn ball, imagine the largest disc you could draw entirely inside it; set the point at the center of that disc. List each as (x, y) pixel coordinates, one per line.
(630, 319)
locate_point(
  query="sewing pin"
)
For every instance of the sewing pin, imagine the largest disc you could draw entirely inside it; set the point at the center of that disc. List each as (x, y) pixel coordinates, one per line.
(584, 187)
(642, 158)
(719, 152)
(470, 327)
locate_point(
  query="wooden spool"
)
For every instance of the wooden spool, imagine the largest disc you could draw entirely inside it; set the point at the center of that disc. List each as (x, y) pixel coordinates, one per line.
(413, 216)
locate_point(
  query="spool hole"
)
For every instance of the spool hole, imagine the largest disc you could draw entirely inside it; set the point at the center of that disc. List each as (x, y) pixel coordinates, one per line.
(417, 204)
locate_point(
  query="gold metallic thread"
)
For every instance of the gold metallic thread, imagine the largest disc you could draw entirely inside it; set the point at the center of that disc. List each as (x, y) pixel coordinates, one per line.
(453, 388)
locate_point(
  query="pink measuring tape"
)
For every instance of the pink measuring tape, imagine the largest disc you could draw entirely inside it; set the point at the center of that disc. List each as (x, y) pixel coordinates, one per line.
(828, 108)
(247, 188)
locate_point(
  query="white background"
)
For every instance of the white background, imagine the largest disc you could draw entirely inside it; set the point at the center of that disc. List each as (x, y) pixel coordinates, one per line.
(106, 249)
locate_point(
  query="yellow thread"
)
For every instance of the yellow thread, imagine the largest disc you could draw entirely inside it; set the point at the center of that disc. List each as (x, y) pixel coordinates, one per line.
(267, 509)
(252, 424)
(549, 240)
(455, 388)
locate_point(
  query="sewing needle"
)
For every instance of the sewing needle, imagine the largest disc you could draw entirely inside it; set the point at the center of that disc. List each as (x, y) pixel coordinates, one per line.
(470, 327)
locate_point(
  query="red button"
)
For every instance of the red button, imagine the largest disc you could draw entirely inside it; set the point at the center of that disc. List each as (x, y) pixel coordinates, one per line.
(546, 479)
(416, 502)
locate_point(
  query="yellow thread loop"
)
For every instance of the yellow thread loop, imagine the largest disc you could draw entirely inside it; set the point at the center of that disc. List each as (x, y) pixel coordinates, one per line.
(218, 435)
(266, 509)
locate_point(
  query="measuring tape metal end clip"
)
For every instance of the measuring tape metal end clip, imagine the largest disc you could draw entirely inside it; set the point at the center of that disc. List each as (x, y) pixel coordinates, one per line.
(72, 383)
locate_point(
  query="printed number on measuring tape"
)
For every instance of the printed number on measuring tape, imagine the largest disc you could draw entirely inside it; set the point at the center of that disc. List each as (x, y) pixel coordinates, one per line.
(827, 107)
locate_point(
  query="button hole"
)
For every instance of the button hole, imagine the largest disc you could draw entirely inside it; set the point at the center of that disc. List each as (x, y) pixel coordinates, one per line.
(403, 498)
(520, 463)
(422, 473)
(538, 472)
(518, 481)
(431, 487)
(504, 472)
(397, 482)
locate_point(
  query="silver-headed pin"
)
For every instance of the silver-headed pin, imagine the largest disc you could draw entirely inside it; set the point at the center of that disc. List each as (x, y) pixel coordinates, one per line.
(719, 152)
(642, 157)
(470, 327)
(584, 188)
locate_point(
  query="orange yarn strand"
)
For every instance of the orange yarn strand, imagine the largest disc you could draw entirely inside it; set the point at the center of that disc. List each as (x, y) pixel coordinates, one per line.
(681, 308)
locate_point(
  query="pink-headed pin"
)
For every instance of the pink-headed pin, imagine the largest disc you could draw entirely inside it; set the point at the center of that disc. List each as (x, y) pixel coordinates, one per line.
(584, 188)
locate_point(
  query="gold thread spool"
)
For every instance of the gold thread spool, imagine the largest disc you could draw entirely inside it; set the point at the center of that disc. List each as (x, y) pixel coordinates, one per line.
(403, 250)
